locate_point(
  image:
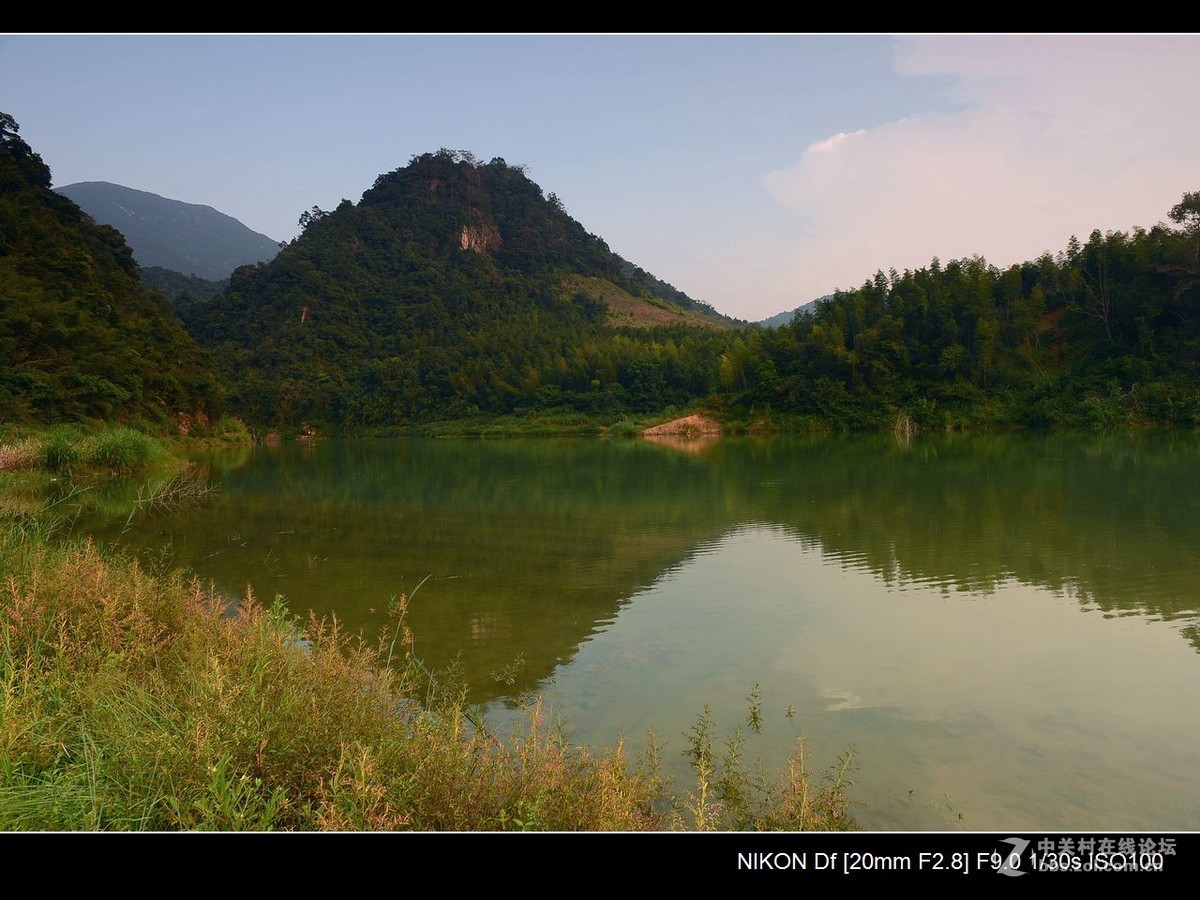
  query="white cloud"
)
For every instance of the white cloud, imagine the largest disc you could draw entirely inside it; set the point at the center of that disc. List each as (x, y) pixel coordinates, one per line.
(1056, 136)
(829, 145)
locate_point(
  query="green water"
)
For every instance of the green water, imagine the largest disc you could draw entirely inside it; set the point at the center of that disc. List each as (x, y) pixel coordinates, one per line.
(1005, 627)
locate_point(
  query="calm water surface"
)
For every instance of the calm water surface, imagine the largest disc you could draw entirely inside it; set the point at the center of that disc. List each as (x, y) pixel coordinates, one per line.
(1005, 628)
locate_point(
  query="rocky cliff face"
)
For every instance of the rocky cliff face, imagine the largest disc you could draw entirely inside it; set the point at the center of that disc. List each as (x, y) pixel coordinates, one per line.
(480, 238)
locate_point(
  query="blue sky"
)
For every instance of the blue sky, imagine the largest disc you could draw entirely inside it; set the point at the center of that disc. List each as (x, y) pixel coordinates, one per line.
(753, 172)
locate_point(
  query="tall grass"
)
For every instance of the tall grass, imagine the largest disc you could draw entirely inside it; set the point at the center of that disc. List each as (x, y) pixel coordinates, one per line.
(123, 451)
(23, 453)
(113, 450)
(138, 701)
(61, 452)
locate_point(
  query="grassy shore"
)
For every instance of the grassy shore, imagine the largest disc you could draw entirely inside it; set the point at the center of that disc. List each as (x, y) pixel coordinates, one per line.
(138, 700)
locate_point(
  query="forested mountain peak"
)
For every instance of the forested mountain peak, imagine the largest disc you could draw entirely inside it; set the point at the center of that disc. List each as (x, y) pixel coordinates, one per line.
(450, 200)
(454, 287)
(492, 208)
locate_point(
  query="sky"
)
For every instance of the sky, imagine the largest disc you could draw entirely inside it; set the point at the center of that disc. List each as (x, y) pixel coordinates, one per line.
(753, 172)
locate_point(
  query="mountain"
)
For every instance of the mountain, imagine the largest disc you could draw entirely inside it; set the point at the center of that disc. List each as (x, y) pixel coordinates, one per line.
(184, 237)
(453, 289)
(79, 335)
(784, 318)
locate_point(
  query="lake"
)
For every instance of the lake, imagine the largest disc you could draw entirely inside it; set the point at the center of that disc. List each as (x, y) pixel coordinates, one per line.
(1005, 628)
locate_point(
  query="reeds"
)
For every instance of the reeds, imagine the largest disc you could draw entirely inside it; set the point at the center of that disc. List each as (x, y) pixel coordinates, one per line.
(21, 454)
(114, 450)
(123, 451)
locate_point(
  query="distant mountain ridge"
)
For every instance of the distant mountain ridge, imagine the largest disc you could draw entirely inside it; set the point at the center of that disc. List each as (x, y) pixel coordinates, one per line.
(184, 237)
(785, 317)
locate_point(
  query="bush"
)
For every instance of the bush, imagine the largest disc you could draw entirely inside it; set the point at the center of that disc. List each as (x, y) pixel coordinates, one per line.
(61, 452)
(123, 451)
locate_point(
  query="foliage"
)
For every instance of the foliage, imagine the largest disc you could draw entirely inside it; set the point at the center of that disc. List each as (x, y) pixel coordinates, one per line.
(179, 289)
(453, 290)
(130, 701)
(1103, 334)
(79, 337)
(122, 450)
(61, 452)
(66, 450)
(730, 794)
(456, 292)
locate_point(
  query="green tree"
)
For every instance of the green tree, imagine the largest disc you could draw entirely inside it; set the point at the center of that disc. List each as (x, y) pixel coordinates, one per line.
(8, 127)
(1187, 213)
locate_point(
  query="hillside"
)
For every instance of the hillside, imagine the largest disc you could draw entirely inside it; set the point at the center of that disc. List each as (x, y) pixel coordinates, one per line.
(642, 310)
(458, 291)
(179, 289)
(453, 289)
(79, 336)
(1105, 333)
(183, 237)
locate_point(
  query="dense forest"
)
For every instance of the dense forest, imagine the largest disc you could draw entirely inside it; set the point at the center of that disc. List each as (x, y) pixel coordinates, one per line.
(454, 289)
(1104, 333)
(80, 338)
(381, 314)
(178, 288)
(458, 290)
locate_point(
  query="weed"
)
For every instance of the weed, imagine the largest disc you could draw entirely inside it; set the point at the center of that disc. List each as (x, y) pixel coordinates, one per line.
(123, 451)
(523, 818)
(754, 716)
(61, 453)
(704, 806)
(181, 490)
(23, 454)
(730, 794)
(132, 700)
(398, 609)
(509, 672)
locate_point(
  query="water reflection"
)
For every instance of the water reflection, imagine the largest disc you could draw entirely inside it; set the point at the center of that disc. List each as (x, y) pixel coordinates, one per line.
(1008, 708)
(1005, 625)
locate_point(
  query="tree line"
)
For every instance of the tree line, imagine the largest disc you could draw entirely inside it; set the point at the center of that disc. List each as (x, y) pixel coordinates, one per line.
(456, 289)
